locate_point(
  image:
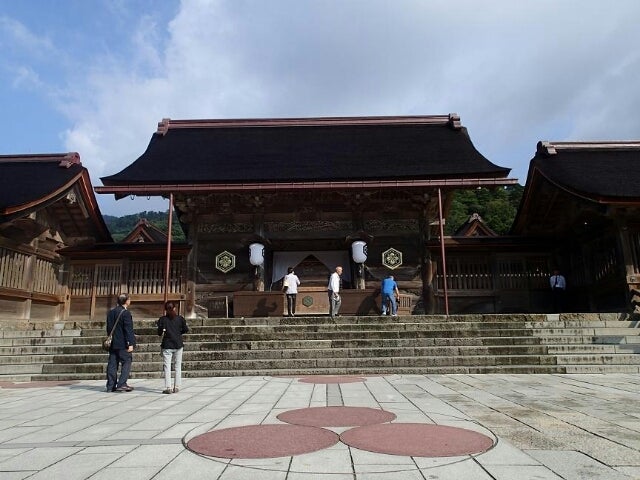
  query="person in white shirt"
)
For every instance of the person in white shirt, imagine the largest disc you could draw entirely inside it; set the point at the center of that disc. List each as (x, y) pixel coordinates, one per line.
(558, 287)
(292, 281)
(333, 289)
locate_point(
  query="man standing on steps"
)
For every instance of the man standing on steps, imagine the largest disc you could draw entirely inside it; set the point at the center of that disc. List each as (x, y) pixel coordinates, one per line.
(389, 292)
(558, 287)
(334, 290)
(292, 281)
(122, 343)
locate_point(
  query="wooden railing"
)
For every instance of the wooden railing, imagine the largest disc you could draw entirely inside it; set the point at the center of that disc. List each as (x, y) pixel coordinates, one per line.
(93, 287)
(13, 267)
(499, 273)
(28, 272)
(144, 278)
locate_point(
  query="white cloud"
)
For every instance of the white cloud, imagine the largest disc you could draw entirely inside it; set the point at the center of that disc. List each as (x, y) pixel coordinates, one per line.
(516, 72)
(17, 37)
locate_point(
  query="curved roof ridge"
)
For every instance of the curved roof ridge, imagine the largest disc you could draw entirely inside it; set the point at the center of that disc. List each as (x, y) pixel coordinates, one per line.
(453, 119)
(551, 148)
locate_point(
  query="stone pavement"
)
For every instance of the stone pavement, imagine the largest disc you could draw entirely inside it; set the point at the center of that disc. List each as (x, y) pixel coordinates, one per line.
(544, 427)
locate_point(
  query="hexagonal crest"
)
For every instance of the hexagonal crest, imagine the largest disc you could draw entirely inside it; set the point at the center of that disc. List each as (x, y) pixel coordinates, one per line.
(392, 258)
(225, 261)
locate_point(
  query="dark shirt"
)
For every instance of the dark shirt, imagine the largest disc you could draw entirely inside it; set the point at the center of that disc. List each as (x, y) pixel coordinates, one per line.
(175, 328)
(123, 335)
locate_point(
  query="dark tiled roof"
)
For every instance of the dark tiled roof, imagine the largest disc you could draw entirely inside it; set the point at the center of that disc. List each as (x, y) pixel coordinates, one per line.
(596, 170)
(474, 227)
(28, 179)
(302, 150)
(56, 182)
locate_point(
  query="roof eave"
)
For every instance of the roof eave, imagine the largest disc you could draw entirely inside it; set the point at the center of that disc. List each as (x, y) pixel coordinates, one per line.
(164, 189)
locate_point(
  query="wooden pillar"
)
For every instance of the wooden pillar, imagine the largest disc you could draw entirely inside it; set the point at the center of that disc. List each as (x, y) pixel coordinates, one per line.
(427, 269)
(64, 279)
(258, 278)
(191, 267)
(631, 278)
(258, 230)
(27, 282)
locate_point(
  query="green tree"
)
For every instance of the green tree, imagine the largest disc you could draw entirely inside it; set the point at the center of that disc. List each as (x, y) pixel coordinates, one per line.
(120, 227)
(497, 207)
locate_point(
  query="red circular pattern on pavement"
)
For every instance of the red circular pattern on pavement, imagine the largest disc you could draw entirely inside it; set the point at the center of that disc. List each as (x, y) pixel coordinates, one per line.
(262, 441)
(417, 440)
(336, 416)
(331, 379)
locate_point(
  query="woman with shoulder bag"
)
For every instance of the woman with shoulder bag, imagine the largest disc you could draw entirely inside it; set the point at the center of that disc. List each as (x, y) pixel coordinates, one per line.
(171, 327)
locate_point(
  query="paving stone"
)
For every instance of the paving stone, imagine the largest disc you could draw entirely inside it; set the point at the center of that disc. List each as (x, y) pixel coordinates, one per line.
(545, 425)
(576, 466)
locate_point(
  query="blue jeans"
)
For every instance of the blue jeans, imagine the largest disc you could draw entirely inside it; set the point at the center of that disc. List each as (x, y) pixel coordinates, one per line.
(167, 354)
(118, 357)
(389, 297)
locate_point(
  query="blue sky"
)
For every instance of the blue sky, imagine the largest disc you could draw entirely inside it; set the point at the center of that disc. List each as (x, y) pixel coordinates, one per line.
(95, 76)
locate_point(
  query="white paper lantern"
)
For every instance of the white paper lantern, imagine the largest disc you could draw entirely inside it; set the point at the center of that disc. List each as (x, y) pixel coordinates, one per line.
(359, 251)
(256, 254)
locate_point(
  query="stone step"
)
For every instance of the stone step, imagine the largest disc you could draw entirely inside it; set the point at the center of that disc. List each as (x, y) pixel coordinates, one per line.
(499, 369)
(40, 333)
(604, 331)
(84, 346)
(34, 350)
(617, 358)
(503, 369)
(601, 369)
(305, 365)
(196, 356)
(590, 343)
(29, 368)
(40, 341)
(604, 328)
(610, 359)
(587, 339)
(601, 348)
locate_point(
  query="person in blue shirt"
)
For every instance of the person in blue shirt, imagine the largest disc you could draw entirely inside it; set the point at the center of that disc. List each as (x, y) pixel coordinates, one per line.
(389, 292)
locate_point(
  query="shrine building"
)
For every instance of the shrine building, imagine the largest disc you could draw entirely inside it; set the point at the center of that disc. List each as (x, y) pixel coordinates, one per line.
(258, 196)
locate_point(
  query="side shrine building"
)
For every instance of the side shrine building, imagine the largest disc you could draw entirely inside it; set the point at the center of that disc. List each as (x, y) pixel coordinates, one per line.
(258, 196)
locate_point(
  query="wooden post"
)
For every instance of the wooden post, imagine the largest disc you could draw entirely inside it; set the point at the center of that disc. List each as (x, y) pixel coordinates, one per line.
(444, 259)
(167, 271)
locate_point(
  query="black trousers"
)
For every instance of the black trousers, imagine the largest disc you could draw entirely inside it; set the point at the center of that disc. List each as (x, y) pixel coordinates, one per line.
(558, 299)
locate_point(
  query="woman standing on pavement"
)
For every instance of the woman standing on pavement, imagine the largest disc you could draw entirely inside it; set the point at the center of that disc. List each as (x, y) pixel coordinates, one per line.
(171, 327)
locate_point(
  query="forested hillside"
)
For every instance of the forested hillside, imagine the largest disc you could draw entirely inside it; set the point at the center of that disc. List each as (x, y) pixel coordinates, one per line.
(120, 227)
(496, 207)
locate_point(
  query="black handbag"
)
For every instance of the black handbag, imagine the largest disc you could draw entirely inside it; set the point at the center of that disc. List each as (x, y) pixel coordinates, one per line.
(106, 343)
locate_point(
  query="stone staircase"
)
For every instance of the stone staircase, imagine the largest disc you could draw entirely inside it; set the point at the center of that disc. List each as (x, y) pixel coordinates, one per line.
(513, 343)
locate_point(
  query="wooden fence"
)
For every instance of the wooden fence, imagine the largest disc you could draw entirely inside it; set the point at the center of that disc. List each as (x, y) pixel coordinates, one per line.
(29, 285)
(93, 287)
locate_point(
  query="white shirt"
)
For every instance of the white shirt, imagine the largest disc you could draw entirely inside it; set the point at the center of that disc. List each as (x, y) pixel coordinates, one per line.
(557, 281)
(292, 281)
(334, 282)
